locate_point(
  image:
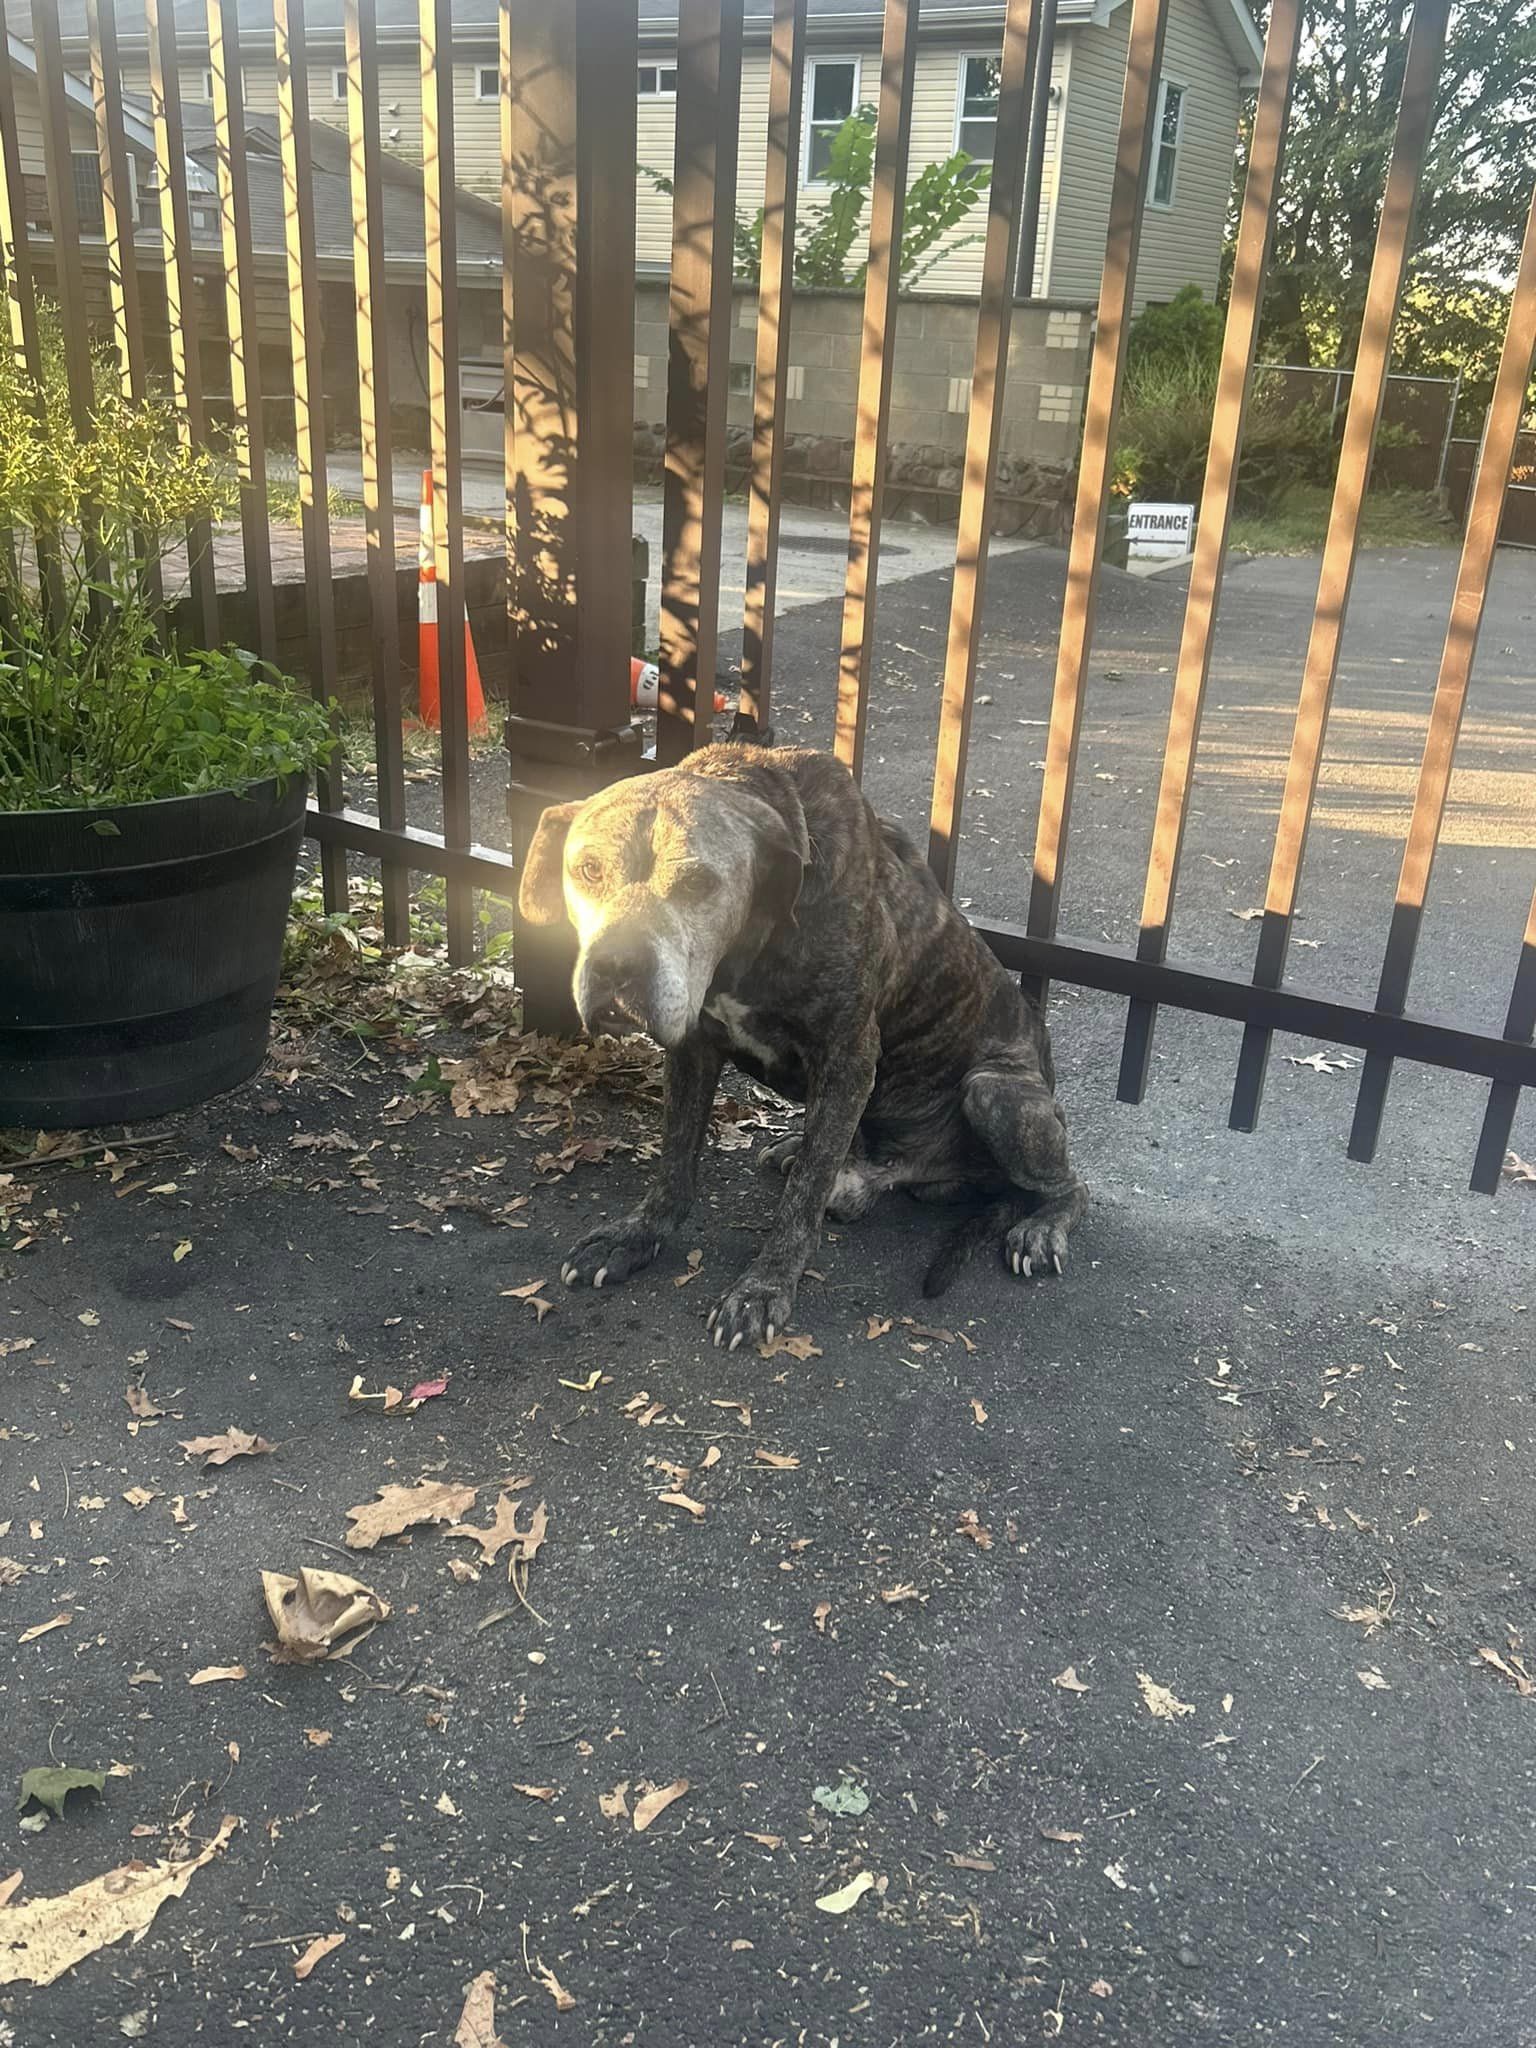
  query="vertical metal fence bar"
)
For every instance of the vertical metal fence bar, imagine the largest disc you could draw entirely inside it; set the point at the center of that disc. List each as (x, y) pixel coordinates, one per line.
(68, 277)
(241, 316)
(20, 291)
(1415, 118)
(509, 214)
(775, 293)
(1133, 155)
(1504, 1096)
(372, 304)
(308, 399)
(1034, 175)
(447, 466)
(1218, 497)
(1485, 511)
(983, 436)
(882, 282)
(117, 197)
(698, 368)
(181, 293)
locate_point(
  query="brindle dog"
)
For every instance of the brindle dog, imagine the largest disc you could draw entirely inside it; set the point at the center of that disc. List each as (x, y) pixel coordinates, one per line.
(750, 905)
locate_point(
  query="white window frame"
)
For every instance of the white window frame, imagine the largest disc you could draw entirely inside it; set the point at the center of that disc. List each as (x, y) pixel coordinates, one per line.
(991, 57)
(339, 84)
(808, 125)
(208, 88)
(1165, 86)
(482, 72)
(658, 65)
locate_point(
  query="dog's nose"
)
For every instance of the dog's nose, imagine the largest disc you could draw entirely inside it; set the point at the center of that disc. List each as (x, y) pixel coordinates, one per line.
(618, 985)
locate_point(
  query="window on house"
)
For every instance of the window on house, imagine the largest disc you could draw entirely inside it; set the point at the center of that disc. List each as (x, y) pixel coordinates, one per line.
(834, 95)
(981, 80)
(656, 81)
(1165, 158)
(487, 82)
(339, 84)
(90, 206)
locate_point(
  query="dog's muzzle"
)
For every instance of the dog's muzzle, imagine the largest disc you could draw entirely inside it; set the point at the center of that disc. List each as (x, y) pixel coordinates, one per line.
(614, 987)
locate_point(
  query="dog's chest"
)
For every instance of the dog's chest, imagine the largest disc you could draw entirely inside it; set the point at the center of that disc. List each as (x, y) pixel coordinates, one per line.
(741, 1026)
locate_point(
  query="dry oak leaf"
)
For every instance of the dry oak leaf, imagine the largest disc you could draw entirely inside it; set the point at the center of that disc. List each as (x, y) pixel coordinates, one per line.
(1068, 1680)
(502, 1530)
(1160, 1702)
(399, 1508)
(318, 1614)
(140, 1405)
(477, 2022)
(656, 1801)
(212, 1674)
(42, 1939)
(801, 1347)
(218, 1450)
(317, 1951)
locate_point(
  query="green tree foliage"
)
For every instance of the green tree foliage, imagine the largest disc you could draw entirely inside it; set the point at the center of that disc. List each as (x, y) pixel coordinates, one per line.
(1477, 185)
(829, 229)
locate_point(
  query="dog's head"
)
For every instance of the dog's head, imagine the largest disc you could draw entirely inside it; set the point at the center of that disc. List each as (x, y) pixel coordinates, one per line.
(664, 877)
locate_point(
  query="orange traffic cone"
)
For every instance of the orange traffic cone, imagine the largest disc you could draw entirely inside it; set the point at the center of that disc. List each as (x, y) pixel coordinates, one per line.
(429, 675)
(645, 686)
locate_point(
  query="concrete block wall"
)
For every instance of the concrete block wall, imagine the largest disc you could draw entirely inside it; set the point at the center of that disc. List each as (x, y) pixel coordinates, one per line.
(930, 393)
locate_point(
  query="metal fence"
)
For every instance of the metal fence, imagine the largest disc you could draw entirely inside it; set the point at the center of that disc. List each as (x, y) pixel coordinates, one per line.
(567, 76)
(1418, 417)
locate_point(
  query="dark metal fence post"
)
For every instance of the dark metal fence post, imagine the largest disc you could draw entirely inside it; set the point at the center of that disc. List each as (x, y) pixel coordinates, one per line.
(569, 194)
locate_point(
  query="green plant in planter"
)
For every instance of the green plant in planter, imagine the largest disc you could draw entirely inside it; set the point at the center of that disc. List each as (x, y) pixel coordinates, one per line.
(94, 709)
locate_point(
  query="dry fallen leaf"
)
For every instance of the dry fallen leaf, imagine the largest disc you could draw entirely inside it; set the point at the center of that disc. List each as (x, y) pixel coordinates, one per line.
(564, 2000)
(614, 1805)
(1101, 1988)
(710, 1459)
(319, 1613)
(1518, 1678)
(776, 1459)
(801, 1347)
(970, 1525)
(317, 1738)
(544, 1792)
(42, 1628)
(1068, 1680)
(212, 1674)
(1368, 1618)
(683, 1500)
(768, 1841)
(1160, 1702)
(42, 1939)
(477, 2022)
(9, 1887)
(446, 1806)
(502, 1530)
(399, 1508)
(844, 1900)
(969, 1862)
(876, 1326)
(139, 1498)
(1061, 1834)
(317, 1951)
(821, 1613)
(656, 1801)
(1518, 1169)
(978, 1413)
(218, 1450)
(894, 1596)
(141, 1406)
(1373, 1681)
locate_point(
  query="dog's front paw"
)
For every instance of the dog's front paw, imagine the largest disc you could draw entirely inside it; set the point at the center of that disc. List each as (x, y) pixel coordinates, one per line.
(611, 1253)
(782, 1153)
(753, 1310)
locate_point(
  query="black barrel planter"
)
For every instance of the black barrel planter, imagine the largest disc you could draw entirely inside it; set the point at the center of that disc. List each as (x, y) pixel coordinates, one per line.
(138, 964)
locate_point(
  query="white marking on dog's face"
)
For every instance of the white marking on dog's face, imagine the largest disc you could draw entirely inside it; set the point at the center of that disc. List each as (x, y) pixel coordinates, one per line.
(659, 878)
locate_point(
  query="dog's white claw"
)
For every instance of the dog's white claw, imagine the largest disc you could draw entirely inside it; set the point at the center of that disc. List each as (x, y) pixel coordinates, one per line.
(719, 1335)
(568, 1275)
(1057, 1263)
(599, 1276)
(768, 1334)
(1018, 1263)
(1029, 1267)
(737, 1338)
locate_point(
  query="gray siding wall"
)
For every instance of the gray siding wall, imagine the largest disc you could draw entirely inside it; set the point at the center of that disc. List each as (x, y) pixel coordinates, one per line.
(1180, 244)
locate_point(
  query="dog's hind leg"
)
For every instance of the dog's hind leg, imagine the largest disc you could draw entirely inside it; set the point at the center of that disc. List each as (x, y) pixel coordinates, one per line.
(1012, 1111)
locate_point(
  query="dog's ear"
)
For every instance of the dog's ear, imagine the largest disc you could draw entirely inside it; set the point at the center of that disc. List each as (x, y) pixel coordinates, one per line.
(541, 891)
(783, 849)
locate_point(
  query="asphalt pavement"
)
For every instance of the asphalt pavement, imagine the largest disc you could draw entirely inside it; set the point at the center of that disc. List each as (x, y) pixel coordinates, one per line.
(1156, 1641)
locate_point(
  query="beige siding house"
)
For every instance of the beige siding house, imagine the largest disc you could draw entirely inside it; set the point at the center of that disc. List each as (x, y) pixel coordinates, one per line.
(1213, 53)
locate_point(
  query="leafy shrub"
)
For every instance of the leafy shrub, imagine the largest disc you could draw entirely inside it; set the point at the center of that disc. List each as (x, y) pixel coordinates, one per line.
(1187, 330)
(94, 710)
(1165, 436)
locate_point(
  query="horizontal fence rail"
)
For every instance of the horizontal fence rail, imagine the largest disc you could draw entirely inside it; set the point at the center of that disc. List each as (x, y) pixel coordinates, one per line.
(565, 228)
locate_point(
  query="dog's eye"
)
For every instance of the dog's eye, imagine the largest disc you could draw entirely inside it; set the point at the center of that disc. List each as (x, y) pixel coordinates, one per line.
(588, 871)
(692, 885)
